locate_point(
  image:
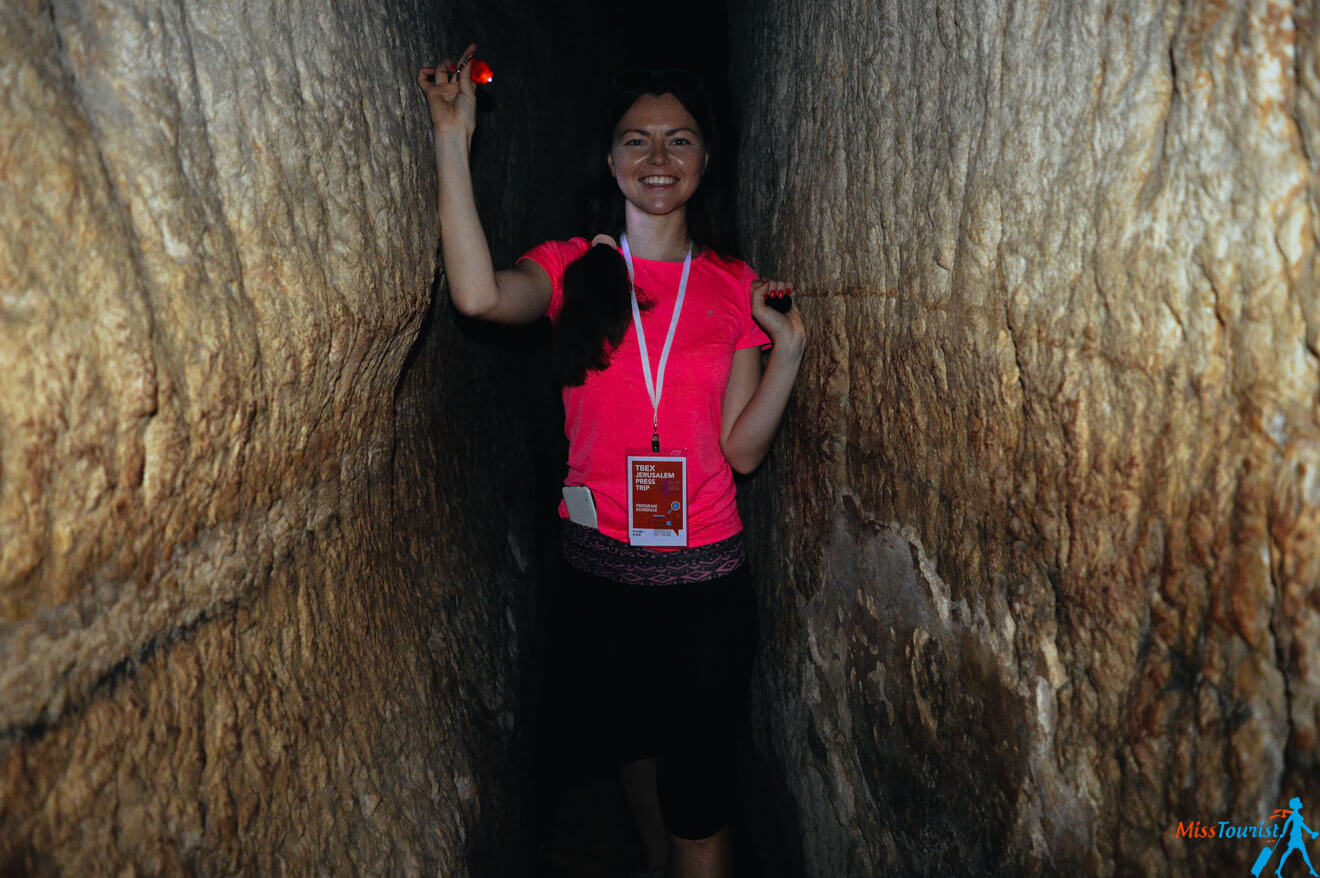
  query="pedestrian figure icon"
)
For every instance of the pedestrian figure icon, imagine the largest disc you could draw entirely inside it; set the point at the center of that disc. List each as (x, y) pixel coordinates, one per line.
(1291, 838)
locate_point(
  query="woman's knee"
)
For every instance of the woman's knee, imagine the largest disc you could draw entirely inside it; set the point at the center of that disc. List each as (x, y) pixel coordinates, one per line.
(697, 795)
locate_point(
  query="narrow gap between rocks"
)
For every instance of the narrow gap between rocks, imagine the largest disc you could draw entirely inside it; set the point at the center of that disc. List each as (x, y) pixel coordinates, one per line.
(582, 828)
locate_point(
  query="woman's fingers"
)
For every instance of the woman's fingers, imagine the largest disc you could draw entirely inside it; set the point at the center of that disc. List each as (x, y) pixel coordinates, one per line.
(432, 78)
(468, 54)
(773, 287)
(773, 293)
(464, 70)
(448, 72)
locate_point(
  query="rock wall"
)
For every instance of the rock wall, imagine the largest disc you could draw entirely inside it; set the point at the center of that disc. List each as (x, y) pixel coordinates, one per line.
(1040, 542)
(246, 623)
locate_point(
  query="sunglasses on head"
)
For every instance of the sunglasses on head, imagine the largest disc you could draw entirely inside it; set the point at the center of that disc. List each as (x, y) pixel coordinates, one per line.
(636, 80)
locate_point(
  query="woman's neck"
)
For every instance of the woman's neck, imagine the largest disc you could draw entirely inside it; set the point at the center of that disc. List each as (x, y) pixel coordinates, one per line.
(658, 238)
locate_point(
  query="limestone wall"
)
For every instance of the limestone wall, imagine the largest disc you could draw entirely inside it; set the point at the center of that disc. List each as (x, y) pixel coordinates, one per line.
(246, 625)
(1040, 543)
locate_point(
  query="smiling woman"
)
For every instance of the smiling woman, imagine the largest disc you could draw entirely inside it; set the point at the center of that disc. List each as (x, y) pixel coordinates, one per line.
(653, 546)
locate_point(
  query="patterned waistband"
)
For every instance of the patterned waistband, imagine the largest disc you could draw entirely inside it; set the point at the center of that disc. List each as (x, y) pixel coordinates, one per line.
(591, 551)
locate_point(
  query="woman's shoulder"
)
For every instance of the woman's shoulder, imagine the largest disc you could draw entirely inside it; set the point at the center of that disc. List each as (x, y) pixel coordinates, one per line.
(721, 258)
(577, 245)
(730, 267)
(555, 256)
(572, 248)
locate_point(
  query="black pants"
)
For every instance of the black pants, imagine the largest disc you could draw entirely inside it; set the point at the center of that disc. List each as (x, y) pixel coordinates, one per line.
(667, 669)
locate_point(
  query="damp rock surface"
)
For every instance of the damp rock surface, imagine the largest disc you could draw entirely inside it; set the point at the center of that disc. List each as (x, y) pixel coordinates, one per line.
(245, 624)
(1040, 541)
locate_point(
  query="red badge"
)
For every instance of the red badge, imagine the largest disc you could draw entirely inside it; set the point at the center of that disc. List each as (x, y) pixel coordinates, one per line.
(657, 500)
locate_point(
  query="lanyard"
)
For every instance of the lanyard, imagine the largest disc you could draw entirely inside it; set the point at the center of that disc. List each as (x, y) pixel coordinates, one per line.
(656, 387)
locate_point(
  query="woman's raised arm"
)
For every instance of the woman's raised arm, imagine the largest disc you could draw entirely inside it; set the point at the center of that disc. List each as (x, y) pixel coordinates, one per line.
(517, 295)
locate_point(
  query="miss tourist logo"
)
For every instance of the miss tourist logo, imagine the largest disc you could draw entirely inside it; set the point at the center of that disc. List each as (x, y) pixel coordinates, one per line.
(1282, 831)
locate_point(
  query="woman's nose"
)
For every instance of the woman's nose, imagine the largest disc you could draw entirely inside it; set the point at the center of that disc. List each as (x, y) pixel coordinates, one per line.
(658, 155)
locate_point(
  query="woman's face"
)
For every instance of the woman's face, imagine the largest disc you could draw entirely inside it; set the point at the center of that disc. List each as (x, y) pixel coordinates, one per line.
(657, 156)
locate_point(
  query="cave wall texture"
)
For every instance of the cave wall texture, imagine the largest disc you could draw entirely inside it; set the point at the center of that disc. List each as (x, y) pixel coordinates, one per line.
(1039, 544)
(246, 626)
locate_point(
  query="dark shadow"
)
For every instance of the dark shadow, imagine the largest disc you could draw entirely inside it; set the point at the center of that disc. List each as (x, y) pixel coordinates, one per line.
(24, 861)
(767, 829)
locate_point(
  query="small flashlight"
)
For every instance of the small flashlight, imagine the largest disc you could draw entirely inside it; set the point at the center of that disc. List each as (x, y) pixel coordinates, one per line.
(481, 72)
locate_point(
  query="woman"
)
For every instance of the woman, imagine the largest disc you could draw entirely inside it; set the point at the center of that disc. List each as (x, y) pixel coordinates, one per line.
(665, 592)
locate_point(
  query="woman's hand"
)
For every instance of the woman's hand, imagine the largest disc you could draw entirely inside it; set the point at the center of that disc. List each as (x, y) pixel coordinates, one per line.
(453, 99)
(787, 330)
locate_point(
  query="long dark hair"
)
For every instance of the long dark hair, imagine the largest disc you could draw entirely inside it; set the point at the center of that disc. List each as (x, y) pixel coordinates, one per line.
(597, 294)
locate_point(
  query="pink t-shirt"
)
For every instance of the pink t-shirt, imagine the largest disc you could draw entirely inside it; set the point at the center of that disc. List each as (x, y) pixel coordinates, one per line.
(610, 414)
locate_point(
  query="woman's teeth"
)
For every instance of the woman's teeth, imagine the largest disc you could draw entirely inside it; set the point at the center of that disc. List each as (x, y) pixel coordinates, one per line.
(659, 181)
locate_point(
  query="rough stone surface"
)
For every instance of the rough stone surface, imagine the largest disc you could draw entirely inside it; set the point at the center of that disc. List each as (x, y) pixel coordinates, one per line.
(1041, 539)
(246, 626)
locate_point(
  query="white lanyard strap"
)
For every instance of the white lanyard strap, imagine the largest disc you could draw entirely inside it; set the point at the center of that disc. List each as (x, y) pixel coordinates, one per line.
(656, 387)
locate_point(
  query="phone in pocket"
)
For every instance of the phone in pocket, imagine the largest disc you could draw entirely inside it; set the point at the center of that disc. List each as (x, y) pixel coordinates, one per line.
(581, 506)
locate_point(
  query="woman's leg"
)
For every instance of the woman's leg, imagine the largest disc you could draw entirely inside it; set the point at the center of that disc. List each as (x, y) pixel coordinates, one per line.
(702, 858)
(633, 704)
(704, 716)
(638, 779)
(611, 647)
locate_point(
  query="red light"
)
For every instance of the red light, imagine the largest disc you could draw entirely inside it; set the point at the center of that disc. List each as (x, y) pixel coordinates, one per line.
(481, 72)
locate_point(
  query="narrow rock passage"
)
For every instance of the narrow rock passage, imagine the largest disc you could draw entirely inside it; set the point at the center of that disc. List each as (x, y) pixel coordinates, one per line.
(1037, 550)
